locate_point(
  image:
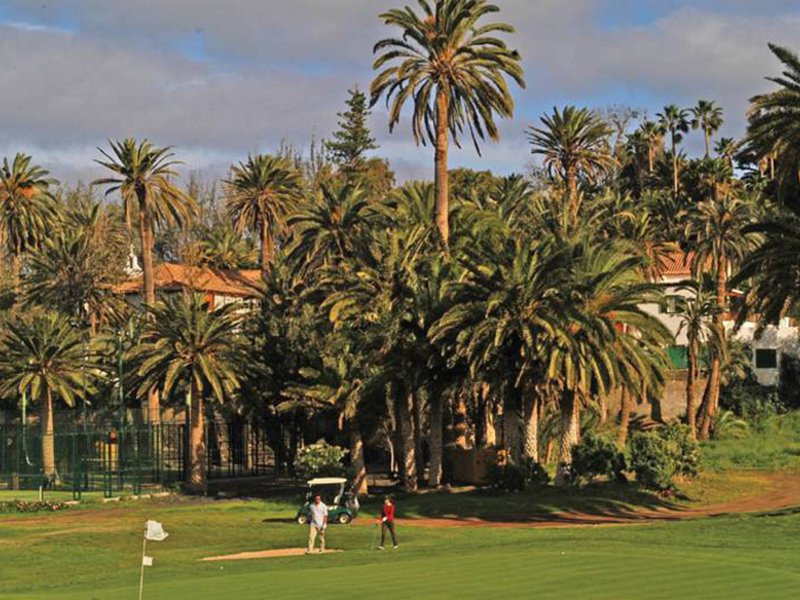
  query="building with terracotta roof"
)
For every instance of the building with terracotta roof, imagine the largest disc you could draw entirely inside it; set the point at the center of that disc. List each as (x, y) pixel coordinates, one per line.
(219, 286)
(767, 349)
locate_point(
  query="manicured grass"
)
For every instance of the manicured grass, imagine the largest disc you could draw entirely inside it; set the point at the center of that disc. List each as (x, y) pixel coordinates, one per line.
(95, 554)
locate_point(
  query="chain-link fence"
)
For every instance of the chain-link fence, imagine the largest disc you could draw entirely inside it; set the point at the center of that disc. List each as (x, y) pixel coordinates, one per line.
(96, 458)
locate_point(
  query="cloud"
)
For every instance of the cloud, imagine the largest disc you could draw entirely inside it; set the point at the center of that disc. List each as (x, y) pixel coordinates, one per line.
(220, 79)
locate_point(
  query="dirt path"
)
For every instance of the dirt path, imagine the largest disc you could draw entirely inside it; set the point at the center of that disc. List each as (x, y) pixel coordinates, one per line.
(780, 491)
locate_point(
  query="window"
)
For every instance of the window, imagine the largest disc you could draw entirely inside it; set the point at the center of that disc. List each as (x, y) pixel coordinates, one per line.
(678, 357)
(670, 305)
(766, 358)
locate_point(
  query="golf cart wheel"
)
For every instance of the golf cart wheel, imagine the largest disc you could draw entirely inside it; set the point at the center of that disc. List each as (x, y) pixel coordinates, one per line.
(302, 520)
(343, 519)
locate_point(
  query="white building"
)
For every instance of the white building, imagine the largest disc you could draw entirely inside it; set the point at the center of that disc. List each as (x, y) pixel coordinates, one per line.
(766, 350)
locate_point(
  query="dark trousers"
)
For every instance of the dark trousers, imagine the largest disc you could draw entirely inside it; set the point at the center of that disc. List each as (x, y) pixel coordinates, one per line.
(390, 526)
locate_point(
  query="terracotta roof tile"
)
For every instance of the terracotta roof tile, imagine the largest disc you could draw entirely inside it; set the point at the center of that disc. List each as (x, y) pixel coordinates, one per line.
(174, 277)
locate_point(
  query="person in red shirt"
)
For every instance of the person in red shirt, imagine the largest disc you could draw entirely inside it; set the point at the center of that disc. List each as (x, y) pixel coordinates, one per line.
(387, 522)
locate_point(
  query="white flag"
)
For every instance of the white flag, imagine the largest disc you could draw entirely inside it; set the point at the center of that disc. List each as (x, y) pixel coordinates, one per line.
(147, 561)
(154, 531)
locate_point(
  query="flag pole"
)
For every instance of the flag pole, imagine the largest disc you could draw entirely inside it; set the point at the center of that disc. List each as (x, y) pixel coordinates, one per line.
(141, 575)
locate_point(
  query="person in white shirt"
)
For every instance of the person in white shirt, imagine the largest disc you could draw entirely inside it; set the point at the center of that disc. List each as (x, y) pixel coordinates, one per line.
(319, 521)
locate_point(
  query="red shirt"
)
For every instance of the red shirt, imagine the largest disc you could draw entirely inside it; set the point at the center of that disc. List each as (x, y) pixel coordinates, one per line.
(388, 512)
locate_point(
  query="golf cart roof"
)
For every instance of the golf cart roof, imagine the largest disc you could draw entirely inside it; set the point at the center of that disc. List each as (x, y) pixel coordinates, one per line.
(327, 481)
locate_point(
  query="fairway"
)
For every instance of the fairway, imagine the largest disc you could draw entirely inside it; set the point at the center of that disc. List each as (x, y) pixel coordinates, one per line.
(94, 553)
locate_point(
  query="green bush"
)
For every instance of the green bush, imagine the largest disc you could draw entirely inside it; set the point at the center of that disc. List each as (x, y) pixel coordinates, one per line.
(320, 460)
(658, 456)
(596, 456)
(31, 507)
(536, 474)
(508, 478)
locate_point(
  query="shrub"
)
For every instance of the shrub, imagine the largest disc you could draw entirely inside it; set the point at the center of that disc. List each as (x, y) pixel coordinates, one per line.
(536, 474)
(31, 507)
(658, 456)
(508, 478)
(596, 456)
(320, 460)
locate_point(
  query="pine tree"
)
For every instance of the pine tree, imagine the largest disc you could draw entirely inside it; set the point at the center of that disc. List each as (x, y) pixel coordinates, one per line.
(353, 139)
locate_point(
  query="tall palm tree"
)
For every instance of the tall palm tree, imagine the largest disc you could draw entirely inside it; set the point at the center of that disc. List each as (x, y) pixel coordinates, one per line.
(27, 207)
(772, 129)
(696, 313)
(187, 344)
(652, 134)
(575, 146)
(453, 67)
(708, 117)
(143, 175)
(46, 355)
(721, 241)
(261, 193)
(675, 121)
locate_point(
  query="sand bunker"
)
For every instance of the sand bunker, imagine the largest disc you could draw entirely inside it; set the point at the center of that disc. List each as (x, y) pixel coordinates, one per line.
(266, 554)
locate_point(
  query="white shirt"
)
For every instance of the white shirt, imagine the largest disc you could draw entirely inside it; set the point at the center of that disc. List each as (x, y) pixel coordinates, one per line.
(318, 514)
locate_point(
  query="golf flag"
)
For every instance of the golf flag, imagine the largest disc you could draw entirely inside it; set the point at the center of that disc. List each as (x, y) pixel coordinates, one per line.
(147, 561)
(154, 532)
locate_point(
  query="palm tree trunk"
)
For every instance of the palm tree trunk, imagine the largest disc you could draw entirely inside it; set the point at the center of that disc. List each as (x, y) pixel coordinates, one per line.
(570, 433)
(48, 441)
(148, 274)
(357, 460)
(436, 440)
(197, 445)
(460, 421)
(708, 141)
(488, 437)
(267, 249)
(419, 441)
(530, 446)
(405, 422)
(715, 378)
(624, 416)
(674, 167)
(223, 439)
(572, 187)
(512, 431)
(651, 155)
(442, 181)
(691, 401)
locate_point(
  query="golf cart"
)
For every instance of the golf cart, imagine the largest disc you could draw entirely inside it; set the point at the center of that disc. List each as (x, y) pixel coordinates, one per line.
(342, 505)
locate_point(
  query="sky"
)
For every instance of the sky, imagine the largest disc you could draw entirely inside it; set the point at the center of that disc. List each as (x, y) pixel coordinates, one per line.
(219, 79)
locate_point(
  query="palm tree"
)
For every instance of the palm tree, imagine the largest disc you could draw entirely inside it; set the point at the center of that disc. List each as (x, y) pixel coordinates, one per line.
(772, 129)
(27, 207)
(696, 313)
(187, 344)
(721, 241)
(674, 120)
(75, 268)
(652, 134)
(452, 67)
(224, 248)
(726, 148)
(575, 147)
(336, 383)
(142, 174)
(331, 227)
(46, 355)
(708, 117)
(506, 310)
(261, 193)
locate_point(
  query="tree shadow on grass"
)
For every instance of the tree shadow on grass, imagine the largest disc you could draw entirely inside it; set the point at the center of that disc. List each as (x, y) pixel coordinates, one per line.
(591, 504)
